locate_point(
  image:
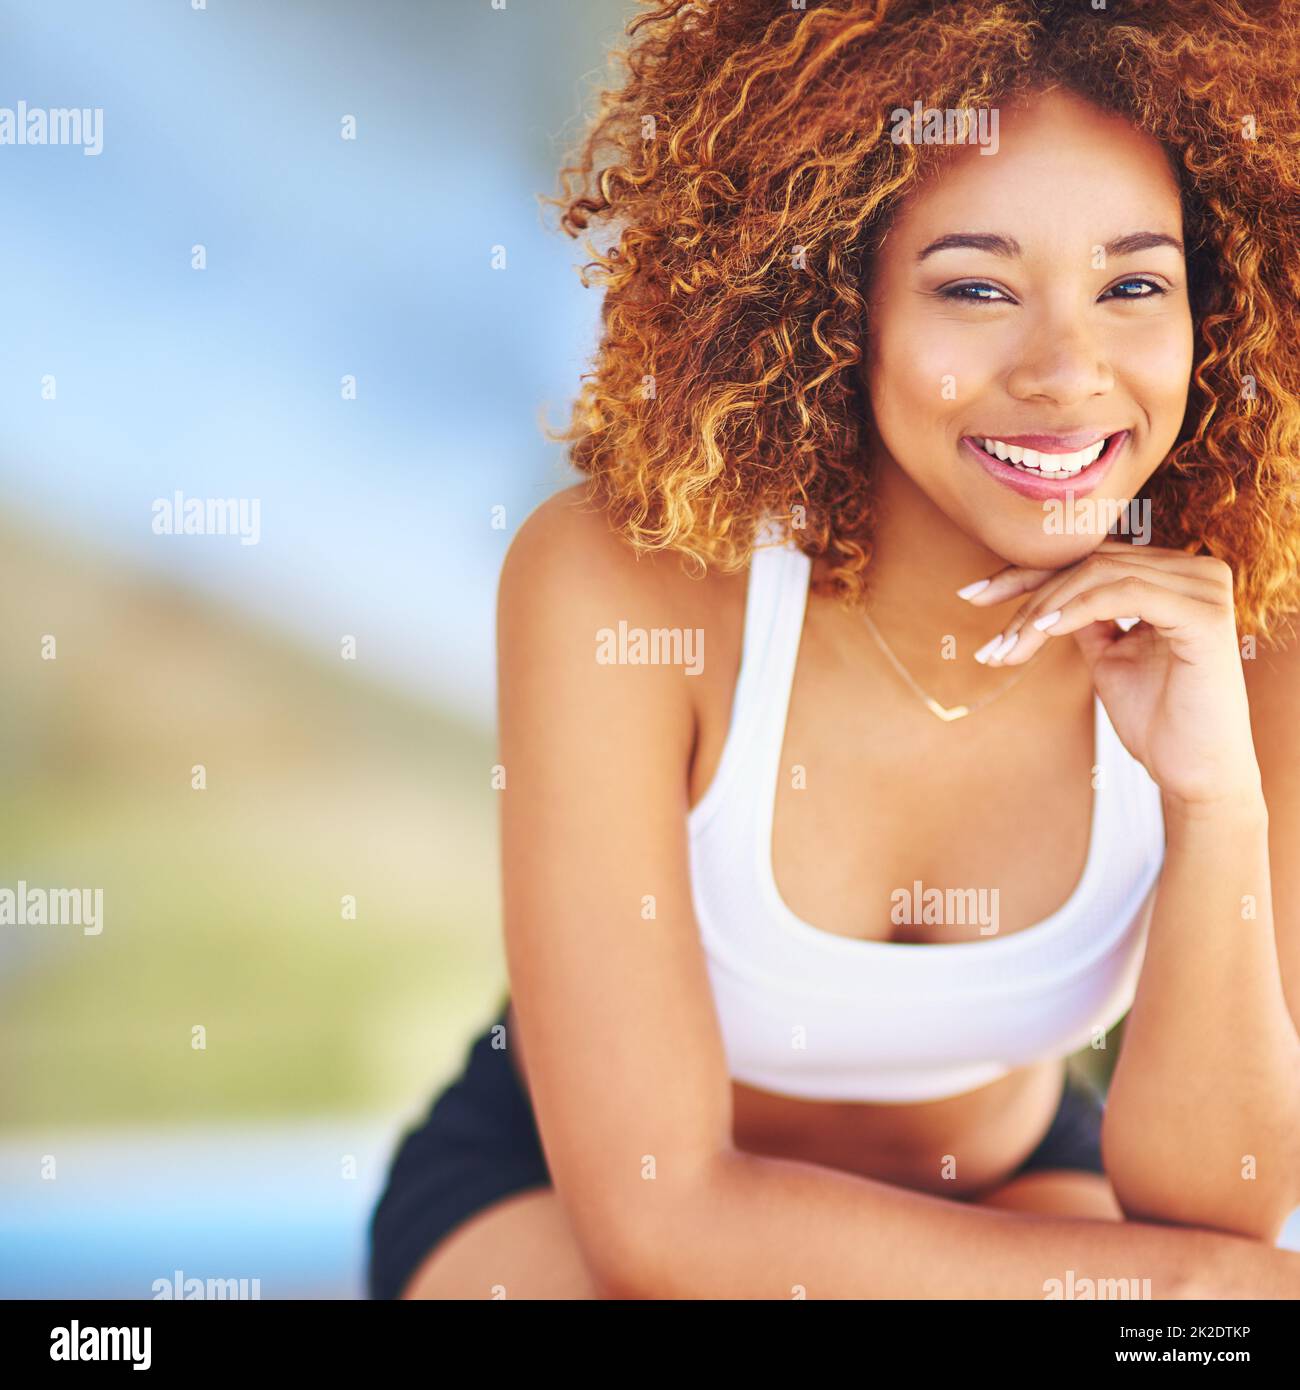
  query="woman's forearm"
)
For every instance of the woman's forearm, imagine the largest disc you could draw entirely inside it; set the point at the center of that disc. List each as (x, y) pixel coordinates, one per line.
(1202, 1122)
(761, 1227)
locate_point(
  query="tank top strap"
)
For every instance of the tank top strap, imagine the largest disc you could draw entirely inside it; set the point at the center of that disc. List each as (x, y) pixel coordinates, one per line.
(775, 605)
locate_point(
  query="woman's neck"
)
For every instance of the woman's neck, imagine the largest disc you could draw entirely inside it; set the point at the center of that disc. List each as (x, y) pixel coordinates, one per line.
(920, 558)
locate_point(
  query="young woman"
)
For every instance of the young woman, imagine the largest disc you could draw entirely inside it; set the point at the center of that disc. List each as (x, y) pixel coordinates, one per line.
(824, 850)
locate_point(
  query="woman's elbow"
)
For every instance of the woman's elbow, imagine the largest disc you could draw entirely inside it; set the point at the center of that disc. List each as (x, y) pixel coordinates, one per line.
(622, 1269)
(643, 1250)
(1243, 1197)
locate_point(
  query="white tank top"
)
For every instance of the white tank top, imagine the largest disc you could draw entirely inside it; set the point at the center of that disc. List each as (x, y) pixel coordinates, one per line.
(810, 1014)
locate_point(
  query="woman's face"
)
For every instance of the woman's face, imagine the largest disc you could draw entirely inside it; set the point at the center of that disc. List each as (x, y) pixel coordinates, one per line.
(1064, 334)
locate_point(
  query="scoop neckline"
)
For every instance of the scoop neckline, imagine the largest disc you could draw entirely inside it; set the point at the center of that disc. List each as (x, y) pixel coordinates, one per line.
(1046, 929)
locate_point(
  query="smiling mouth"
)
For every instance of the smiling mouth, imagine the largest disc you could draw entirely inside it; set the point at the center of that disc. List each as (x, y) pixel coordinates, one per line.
(1044, 465)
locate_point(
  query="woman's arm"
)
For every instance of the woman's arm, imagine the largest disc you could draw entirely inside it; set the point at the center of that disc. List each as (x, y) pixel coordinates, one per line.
(1202, 1120)
(626, 1065)
(763, 1227)
(1225, 987)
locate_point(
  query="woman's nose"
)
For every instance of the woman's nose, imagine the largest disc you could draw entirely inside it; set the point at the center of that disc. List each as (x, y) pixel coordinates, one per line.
(1062, 361)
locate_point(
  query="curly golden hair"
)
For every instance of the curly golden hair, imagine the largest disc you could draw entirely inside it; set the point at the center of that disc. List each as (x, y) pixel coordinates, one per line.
(724, 387)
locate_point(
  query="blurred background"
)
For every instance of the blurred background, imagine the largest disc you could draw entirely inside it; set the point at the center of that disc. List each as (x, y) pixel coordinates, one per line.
(128, 1153)
(127, 375)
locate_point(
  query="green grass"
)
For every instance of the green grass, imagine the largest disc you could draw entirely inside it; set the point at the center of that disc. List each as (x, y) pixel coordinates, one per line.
(222, 907)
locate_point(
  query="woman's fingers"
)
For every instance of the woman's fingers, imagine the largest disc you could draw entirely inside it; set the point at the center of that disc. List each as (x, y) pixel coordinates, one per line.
(1200, 579)
(1176, 613)
(1015, 580)
(1204, 581)
(1104, 569)
(1006, 584)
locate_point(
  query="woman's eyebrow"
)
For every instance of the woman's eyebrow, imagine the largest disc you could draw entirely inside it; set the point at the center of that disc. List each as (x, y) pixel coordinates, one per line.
(973, 241)
(1141, 241)
(1008, 246)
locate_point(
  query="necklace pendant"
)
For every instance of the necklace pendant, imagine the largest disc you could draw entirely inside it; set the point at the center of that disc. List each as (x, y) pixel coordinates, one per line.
(944, 712)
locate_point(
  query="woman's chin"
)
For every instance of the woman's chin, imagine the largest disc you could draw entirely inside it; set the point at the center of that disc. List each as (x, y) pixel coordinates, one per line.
(1032, 549)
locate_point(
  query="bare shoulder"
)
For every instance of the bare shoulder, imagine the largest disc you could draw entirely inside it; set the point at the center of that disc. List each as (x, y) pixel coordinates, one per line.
(569, 575)
(566, 535)
(567, 545)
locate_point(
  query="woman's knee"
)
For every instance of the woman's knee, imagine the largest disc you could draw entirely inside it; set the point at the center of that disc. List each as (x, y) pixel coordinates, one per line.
(1058, 1192)
(521, 1247)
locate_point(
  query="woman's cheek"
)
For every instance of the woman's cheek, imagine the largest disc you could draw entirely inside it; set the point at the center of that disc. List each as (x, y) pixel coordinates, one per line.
(1154, 369)
(925, 377)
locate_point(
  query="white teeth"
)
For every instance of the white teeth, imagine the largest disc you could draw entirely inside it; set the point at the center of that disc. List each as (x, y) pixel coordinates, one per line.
(1046, 465)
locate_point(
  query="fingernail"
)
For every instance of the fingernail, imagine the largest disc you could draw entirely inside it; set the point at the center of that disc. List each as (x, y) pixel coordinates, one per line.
(971, 590)
(1127, 623)
(986, 650)
(1005, 647)
(1047, 620)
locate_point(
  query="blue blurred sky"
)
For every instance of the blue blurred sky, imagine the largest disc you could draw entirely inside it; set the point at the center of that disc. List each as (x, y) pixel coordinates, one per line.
(325, 257)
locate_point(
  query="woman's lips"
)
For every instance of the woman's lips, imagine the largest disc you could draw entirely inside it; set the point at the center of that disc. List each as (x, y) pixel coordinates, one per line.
(1029, 484)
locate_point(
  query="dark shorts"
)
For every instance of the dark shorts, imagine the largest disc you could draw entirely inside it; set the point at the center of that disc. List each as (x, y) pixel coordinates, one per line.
(479, 1144)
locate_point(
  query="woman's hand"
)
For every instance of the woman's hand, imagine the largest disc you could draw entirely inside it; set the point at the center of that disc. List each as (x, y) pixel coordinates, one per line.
(1173, 685)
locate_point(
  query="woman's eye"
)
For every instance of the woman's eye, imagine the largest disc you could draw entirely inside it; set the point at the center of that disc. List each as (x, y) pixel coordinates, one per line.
(973, 294)
(1149, 286)
(980, 293)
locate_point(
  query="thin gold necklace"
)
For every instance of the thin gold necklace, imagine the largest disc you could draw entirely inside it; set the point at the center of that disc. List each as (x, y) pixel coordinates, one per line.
(945, 712)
